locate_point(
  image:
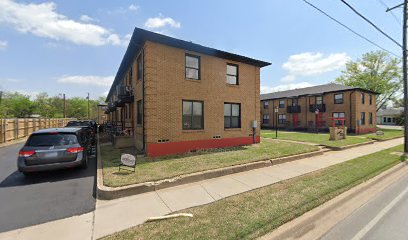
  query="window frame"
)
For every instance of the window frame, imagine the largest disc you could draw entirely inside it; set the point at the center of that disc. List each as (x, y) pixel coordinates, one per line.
(237, 76)
(263, 119)
(370, 118)
(239, 117)
(192, 114)
(198, 69)
(363, 118)
(342, 98)
(362, 98)
(370, 99)
(281, 120)
(280, 105)
(139, 113)
(316, 100)
(265, 104)
(139, 61)
(295, 100)
(338, 122)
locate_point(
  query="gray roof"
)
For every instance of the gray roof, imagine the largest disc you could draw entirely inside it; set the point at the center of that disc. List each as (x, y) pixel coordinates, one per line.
(140, 36)
(389, 112)
(315, 90)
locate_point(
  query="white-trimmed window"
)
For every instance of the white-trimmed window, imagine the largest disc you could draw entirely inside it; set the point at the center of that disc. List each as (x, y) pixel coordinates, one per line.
(281, 118)
(232, 74)
(192, 67)
(265, 119)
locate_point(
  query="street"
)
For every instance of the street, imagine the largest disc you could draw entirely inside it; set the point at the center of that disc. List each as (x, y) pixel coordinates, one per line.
(384, 217)
(42, 197)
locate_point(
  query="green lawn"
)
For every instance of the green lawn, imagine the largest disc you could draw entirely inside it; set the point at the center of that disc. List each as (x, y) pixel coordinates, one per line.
(255, 213)
(172, 166)
(388, 134)
(320, 138)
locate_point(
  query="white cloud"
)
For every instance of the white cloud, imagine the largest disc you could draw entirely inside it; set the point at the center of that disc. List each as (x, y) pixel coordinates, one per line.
(288, 79)
(42, 20)
(90, 80)
(133, 7)
(267, 89)
(86, 18)
(160, 22)
(3, 45)
(311, 64)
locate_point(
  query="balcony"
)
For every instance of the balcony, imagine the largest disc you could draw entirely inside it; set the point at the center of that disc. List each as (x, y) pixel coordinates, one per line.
(125, 95)
(111, 107)
(321, 107)
(293, 109)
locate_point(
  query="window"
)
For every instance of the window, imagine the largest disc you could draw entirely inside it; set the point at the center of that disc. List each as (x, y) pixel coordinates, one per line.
(319, 99)
(139, 112)
(193, 117)
(265, 104)
(130, 75)
(370, 118)
(265, 119)
(232, 74)
(363, 118)
(281, 103)
(338, 98)
(192, 67)
(393, 120)
(294, 102)
(362, 98)
(389, 120)
(232, 115)
(140, 68)
(281, 118)
(339, 115)
(370, 99)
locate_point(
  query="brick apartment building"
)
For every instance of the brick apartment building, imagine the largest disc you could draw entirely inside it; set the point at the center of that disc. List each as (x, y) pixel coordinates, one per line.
(175, 96)
(297, 108)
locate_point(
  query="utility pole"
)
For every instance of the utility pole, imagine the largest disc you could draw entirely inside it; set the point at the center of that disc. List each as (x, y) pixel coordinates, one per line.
(88, 106)
(404, 70)
(65, 106)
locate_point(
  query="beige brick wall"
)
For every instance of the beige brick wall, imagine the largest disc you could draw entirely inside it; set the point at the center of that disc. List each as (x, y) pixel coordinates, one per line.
(166, 87)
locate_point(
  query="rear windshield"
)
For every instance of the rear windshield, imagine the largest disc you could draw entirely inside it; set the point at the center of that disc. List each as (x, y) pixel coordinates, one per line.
(78, 124)
(54, 139)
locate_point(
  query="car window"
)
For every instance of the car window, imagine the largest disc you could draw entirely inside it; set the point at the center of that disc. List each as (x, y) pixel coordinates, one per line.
(78, 124)
(54, 139)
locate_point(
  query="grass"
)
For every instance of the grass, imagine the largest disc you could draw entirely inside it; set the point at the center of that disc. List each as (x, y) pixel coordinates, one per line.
(388, 134)
(255, 213)
(172, 166)
(320, 138)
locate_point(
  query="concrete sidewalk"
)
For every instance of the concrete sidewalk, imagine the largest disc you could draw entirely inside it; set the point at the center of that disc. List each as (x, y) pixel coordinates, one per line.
(116, 215)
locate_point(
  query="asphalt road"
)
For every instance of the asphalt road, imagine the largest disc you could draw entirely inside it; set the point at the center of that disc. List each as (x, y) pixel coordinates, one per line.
(384, 217)
(43, 197)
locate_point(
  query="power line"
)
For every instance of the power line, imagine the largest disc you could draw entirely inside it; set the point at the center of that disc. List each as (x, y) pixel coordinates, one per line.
(348, 28)
(371, 23)
(397, 19)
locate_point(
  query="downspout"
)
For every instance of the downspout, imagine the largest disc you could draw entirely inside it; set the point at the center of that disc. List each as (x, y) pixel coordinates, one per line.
(351, 114)
(306, 110)
(143, 103)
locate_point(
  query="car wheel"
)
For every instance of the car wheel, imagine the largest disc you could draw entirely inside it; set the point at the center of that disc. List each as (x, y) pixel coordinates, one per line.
(84, 164)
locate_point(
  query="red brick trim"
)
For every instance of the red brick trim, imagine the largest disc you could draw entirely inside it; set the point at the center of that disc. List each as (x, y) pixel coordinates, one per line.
(167, 148)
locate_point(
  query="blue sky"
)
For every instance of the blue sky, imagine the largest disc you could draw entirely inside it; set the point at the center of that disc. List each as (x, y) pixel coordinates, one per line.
(75, 47)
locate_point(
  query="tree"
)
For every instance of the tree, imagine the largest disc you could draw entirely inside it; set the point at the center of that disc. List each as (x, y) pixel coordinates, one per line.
(376, 71)
(17, 105)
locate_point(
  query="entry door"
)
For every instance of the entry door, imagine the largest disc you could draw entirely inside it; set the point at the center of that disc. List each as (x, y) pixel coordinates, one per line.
(318, 119)
(295, 119)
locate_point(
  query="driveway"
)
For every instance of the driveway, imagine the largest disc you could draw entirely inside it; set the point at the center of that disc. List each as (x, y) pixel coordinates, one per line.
(43, 197)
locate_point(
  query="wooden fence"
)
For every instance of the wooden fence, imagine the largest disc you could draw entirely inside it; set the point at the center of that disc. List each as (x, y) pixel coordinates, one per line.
(15, 128)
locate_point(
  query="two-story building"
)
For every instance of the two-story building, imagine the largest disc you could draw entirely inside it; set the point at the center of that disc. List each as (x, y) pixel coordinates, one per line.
(320, 107)
(176, 96)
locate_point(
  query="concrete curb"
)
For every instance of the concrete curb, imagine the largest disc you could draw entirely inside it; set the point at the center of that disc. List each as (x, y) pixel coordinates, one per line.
(384, 140)
(109, 193)
(350, 146)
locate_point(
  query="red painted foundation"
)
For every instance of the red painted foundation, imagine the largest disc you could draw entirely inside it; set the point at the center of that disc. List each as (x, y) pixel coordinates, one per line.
(365, 130)
(168, 148)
